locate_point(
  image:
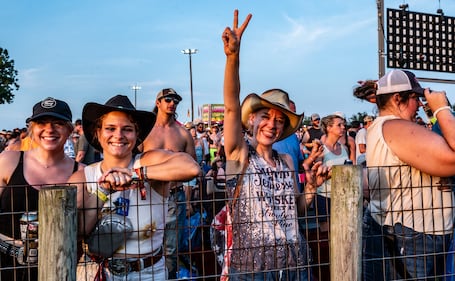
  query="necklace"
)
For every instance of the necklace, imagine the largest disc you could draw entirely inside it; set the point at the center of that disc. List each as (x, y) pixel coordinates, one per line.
(47, 166)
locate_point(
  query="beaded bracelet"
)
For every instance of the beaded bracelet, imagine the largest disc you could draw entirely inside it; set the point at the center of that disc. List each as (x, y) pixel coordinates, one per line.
(435, 113)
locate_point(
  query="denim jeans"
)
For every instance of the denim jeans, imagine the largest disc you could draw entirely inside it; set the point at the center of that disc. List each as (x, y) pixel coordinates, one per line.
(173, 234)
(277, 275)
(399, 252)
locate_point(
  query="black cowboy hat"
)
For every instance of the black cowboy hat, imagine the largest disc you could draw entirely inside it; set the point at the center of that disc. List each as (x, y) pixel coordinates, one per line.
(92, 111)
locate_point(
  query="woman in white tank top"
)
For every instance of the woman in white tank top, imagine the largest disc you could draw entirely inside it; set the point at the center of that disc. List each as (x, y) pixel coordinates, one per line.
(409, 219)
(116, 129)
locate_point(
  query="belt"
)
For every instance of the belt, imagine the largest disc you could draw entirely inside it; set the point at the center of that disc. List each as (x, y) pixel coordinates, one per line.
(123, 266)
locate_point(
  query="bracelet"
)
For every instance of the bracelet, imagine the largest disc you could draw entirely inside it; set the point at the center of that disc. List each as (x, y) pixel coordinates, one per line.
(102, 194)
(435, 113)
(142, 172)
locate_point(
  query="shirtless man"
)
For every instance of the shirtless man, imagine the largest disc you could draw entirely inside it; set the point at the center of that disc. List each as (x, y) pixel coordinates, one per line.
(170, 135)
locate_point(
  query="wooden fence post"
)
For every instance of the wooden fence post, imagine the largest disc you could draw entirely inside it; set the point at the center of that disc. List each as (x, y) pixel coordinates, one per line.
(346, 223)
(57, 234)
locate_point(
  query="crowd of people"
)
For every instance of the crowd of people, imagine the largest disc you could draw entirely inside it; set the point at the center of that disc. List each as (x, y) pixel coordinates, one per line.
(150, 169)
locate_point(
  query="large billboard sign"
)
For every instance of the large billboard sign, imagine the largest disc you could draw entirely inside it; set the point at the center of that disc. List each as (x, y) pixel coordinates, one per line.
(420, 41)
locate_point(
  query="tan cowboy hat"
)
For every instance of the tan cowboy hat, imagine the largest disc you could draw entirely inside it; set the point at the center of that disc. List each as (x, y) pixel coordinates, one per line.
(276, 99)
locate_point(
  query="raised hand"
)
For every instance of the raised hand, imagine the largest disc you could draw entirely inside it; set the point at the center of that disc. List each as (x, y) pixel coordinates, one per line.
(436, 99)
(232, 37)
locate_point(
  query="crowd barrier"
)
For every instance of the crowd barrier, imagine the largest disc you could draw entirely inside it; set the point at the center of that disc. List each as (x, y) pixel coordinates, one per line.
(335, 244)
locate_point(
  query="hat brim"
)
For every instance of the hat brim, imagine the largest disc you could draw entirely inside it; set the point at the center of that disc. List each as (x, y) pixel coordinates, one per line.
(93, 111)
(254, 102)
(419, 91)
(45, 114)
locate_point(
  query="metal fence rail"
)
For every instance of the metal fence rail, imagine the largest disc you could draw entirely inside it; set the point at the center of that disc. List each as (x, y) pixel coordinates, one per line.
(334, 238)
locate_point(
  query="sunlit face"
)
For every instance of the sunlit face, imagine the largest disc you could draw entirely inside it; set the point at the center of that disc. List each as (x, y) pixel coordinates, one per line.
(50, 133)
(268, 125)
(167, 104)
(117, 135)
(338, 127)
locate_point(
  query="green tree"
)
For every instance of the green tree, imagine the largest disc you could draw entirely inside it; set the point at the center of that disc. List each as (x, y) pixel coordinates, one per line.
(307, 121)
(8, 80)
(358, 117)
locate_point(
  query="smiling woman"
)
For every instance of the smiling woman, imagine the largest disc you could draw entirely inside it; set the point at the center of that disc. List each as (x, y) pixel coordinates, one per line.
(266, 242)
(116, 133)
(23, 174)
(132, 186)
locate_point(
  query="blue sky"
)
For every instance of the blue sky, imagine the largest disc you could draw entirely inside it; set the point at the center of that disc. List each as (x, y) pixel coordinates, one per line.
(88, 51)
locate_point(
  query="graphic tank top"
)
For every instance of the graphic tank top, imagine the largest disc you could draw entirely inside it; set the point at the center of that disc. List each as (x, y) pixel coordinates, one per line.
(265, 229)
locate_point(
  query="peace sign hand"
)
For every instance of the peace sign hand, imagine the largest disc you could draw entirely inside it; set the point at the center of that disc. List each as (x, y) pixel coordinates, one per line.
(232, 37)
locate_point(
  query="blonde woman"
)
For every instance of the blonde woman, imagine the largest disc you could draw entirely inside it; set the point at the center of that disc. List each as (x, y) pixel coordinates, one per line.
(23, 174)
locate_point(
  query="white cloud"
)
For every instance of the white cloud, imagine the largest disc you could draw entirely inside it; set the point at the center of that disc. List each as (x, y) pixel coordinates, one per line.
(317, 34)
(29, 77)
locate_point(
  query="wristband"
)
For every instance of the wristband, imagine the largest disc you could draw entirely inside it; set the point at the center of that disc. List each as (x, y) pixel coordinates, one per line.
(102, 194)
(142, 172)
(435, 113)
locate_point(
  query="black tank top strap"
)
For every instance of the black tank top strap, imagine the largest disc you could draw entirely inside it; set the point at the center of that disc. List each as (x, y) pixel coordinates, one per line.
(17, 178)
(21, 157)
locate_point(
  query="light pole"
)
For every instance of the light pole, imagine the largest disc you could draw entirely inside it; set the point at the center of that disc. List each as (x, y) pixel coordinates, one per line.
(189, 52)
(135, 88)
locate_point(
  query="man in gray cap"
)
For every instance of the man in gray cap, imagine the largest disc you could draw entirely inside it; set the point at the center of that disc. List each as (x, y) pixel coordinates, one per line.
(314, 132)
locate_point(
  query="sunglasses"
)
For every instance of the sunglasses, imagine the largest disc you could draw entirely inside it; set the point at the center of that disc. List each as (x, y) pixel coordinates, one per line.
(169, 99)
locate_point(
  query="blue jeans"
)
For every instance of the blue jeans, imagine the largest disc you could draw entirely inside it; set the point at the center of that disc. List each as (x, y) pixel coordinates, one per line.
(174, 232)
(399, 252)
(277, 275)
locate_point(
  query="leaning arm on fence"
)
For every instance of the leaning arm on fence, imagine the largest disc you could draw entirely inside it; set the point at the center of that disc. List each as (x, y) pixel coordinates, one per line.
(91, 195)
(159, 165)
(163, 165)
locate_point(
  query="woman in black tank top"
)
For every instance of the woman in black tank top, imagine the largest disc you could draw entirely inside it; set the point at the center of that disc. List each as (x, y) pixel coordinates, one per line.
(23, 174)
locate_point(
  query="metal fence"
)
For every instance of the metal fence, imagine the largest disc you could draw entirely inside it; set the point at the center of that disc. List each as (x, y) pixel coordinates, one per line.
(332, 227)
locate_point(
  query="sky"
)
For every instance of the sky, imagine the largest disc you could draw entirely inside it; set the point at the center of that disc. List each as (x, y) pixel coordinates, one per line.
(90, 50)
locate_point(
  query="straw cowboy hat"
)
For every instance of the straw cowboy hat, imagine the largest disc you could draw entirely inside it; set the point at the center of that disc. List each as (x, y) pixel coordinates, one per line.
(276, 99)
(92, 111)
